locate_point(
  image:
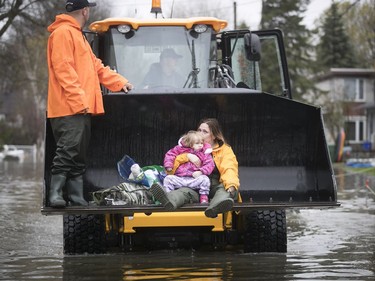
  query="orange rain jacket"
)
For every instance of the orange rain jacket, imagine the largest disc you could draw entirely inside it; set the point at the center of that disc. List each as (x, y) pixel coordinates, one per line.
(75, 73)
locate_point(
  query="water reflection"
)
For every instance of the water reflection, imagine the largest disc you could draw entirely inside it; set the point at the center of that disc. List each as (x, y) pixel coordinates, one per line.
(334, 244)
(183, 265)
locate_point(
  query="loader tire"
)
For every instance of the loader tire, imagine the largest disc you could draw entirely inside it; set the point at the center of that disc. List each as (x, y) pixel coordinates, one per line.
(84, 234)
(265, 231)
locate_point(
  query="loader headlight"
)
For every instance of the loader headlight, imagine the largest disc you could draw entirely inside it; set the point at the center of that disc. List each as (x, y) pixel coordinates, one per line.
(123, 28)
(200, 28)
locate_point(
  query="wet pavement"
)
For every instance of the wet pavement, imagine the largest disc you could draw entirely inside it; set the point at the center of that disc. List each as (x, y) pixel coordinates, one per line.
(333, 244)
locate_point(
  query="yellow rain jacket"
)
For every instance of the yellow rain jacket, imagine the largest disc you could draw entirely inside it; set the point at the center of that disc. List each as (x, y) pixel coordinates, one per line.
(74, 71)
(225, 161)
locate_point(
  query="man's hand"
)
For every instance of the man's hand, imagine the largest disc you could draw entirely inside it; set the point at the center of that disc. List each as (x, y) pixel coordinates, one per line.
(84, 111)
(127, 87)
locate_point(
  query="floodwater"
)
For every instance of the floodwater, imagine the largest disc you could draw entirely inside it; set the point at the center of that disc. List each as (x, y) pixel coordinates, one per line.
(333, 244)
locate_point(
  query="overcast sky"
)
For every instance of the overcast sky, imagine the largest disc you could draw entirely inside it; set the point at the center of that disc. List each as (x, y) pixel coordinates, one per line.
(247, 10)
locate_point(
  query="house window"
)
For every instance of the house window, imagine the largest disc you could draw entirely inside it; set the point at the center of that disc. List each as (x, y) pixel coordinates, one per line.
(361, 131)
(355, 131)
(361, 93)
(354, 89)
(350, 131)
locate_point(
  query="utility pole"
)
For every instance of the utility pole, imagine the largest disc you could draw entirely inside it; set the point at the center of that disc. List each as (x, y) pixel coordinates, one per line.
(235, 14)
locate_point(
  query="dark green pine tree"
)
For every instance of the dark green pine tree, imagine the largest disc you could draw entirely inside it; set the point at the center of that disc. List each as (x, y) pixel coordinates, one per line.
(287, 15)
(334, 48)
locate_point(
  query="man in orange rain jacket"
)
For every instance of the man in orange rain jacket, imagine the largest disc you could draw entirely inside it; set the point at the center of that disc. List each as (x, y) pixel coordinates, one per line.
(74, 95)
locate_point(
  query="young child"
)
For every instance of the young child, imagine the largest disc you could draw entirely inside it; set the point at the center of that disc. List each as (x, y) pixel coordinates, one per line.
(188, 174)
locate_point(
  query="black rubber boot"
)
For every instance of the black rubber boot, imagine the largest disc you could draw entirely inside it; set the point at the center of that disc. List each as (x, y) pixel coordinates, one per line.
(174, 199)
(56, 199)
(74, 187)
(220, 203)
(162, 196)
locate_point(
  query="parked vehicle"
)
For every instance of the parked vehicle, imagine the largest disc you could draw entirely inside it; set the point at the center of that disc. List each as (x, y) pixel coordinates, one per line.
(11, 152)
(239, 77)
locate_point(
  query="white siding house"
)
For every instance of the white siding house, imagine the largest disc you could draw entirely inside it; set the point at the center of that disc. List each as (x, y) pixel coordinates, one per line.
(351, 92)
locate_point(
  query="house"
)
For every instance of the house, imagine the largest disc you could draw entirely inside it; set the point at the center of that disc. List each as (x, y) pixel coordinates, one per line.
(349, 103)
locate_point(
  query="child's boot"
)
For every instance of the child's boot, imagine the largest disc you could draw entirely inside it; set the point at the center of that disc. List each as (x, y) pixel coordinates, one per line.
(203, 199)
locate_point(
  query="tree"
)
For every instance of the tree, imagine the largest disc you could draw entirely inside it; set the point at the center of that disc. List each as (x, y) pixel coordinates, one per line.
(347, 40)
(287, 15)
(359, 22)
(334, 48)
(25, 87)
(201, 9)
(243, 25)
(10, 10)
(25, 77)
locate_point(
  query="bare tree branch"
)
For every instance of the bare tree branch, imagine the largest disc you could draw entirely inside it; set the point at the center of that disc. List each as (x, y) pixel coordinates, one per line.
(11, 9)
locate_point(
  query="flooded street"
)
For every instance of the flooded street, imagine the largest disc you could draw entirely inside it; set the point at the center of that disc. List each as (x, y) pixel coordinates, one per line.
(334, 244)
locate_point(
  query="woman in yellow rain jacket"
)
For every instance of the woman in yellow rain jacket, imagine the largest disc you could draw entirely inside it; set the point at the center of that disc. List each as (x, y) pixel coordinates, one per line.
(74, 95)
(224, 179)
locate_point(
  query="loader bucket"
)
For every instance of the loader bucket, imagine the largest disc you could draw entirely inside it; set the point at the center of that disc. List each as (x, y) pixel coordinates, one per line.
(279, 143)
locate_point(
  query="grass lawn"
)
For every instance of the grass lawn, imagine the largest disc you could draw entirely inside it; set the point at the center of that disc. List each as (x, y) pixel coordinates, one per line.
(367, 170)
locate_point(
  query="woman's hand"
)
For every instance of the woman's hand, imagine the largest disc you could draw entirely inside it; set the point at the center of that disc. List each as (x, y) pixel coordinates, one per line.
(232, 191)
(194, 159)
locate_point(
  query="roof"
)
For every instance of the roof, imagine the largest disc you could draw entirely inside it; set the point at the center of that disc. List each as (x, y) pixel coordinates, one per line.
(368, 105)
(348, 72)
(103, 26)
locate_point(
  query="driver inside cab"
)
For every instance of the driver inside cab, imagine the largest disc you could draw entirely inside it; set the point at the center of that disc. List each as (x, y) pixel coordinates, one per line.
(164, 73)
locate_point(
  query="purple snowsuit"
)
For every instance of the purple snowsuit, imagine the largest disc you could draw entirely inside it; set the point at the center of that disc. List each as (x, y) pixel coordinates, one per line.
(183, 176)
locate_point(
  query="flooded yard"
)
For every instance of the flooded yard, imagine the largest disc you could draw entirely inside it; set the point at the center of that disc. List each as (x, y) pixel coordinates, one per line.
(333, 244)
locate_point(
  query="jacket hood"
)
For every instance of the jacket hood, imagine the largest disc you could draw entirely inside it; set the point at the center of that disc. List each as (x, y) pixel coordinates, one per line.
(63, 20)
(207, 149)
